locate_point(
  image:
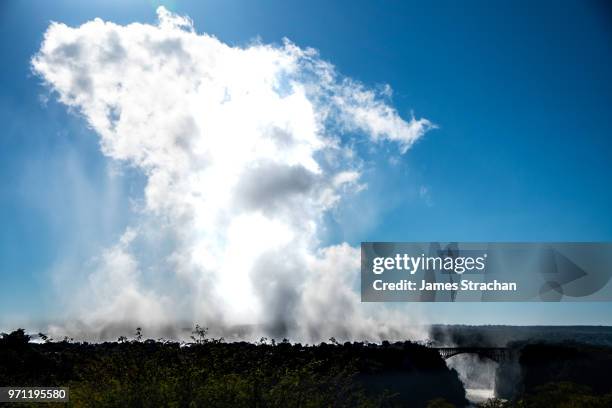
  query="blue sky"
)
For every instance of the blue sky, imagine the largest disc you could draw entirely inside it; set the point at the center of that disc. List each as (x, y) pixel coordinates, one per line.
(521, 94)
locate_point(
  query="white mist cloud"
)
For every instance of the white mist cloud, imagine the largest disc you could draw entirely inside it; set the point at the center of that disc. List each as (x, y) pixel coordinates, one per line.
(242, 151)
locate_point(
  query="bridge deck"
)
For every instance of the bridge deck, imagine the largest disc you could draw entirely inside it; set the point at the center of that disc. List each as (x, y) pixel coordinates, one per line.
(493, 353)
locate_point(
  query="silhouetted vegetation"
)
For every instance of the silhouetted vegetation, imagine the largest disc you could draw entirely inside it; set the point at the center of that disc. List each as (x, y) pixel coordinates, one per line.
(581, 364)
(212, 373)
(557, 395)
(565, 374)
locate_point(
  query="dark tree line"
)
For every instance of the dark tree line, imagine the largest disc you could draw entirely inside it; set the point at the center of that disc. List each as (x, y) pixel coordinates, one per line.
(213, 373)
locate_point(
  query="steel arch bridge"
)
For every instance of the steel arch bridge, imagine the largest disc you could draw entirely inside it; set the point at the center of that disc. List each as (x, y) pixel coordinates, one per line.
(496, 354)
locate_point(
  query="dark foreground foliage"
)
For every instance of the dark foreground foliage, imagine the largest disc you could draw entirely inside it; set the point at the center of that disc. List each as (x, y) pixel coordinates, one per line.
(556, 395)
(586, 365)
(566, 375)
(211, 373)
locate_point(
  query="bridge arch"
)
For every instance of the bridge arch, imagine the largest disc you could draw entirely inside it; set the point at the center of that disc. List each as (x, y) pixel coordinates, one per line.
(497, 354)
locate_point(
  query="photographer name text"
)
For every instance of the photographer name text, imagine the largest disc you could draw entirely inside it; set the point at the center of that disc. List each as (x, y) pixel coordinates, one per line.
(423, 285)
